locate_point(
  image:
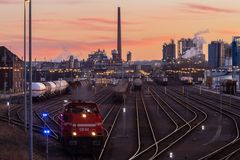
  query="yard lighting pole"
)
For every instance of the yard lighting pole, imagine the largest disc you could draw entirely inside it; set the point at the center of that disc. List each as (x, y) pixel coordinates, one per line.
(30, 114)
(25, 66)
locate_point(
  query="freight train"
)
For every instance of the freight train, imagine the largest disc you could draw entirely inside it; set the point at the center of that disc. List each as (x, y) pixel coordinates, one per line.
(228, 86)
(82, 130)
(47, 89)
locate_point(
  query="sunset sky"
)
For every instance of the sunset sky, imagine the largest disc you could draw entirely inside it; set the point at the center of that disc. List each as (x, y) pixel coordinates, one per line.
(65, 27)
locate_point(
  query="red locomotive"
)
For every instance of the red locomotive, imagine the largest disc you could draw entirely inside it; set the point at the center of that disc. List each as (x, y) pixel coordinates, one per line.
(82, 130)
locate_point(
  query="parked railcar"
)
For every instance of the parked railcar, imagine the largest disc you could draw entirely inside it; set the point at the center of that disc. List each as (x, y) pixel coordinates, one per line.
(48, 89)
(137, 84)
(38, 90)
(199, 80)
(82, 130)
(185, 80)
(120, 90)
(161, 80)
(228, 86)
(53, 87)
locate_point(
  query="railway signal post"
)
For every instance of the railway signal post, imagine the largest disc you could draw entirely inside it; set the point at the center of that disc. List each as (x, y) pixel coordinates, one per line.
(46, 133)
(8, 105)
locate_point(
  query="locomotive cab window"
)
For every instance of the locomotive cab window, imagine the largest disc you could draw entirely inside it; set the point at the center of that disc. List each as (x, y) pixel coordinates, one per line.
(81, 109)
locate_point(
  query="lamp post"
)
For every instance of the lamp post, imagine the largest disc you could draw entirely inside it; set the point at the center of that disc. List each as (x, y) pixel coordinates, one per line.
(30, 114)
(25, 67)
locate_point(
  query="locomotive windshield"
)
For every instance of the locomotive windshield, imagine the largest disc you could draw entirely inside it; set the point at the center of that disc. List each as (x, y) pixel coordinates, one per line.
(81, 109)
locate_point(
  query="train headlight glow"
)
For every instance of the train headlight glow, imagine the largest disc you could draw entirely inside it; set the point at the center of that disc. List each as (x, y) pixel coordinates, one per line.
(84, 115)
(93, 133)
(74, 133)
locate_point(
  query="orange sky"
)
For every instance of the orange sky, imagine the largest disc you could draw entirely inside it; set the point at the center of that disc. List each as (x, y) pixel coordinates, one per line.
(64, 27)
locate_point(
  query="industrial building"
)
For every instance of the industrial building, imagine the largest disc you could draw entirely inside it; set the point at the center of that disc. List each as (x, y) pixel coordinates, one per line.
(236, 51)
(169, 51)
(11, 72)
(184, 45)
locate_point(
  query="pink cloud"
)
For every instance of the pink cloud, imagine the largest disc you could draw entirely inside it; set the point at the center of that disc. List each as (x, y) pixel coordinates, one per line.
(198, 8)
(52, 1)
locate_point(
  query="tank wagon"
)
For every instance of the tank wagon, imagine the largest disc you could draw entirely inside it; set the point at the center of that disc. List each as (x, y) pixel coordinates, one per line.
(137, 84)
(38, 90)
(82, 130)
(120, 90)
(228, 86)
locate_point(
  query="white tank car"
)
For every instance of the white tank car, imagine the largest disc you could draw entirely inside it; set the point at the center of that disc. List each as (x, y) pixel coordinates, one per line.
(137, 84)
(53, 87)
(58, 86)
(61, 86)
(48, 88)
(38, 89)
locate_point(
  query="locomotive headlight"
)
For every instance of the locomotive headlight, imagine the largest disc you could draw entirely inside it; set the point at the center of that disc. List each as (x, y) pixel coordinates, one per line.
(74, 133)
(93, 133)
(84, 115)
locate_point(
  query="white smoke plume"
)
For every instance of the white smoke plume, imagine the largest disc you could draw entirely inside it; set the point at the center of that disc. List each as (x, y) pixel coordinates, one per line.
(198, 42)
(64, 55)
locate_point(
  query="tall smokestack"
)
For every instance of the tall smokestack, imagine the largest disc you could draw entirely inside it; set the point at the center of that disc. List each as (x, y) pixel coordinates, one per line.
(119, 37)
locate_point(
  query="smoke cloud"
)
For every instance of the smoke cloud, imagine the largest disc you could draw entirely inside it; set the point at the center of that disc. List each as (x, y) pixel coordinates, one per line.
(64, 55)
(198, 42)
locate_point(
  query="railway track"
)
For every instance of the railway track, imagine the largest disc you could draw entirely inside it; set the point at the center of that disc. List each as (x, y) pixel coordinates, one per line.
(227, 150)
(146, 135)
(110, 122)
(188, 127)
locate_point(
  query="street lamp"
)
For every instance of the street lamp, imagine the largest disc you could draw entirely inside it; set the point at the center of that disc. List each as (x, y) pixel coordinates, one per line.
(46, 132)
(25, 65)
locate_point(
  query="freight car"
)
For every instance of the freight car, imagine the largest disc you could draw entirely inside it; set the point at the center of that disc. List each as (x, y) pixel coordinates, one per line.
(38, 90)
(120, 90)
(137, 84)
(186, 80)
(228, 86)
(82, 130)
(161, 80)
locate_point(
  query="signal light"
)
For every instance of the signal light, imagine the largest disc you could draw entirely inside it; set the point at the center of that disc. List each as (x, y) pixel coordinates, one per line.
(46, 131)
(74, 133)
(45, 114)
(84, 115)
